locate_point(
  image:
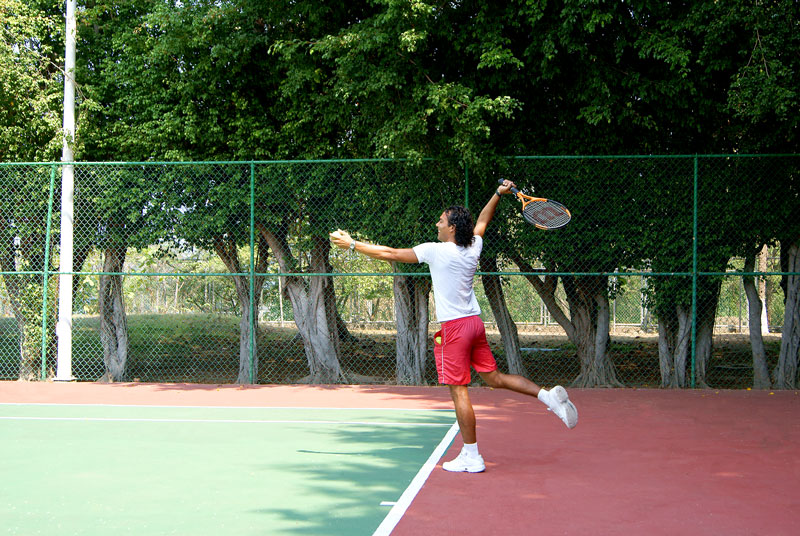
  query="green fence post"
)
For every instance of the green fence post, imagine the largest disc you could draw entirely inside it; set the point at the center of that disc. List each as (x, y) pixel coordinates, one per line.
(46, 270)
(694, 278)
(253, 312)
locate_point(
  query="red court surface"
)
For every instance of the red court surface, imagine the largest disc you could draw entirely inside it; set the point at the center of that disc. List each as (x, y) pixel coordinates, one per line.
(639, 462)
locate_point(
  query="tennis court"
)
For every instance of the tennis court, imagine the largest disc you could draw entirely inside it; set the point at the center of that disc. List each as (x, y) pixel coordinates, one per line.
(157, 469)
(81, 458)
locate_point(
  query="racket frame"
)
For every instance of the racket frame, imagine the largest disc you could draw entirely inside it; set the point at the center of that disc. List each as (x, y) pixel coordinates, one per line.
(527, 200)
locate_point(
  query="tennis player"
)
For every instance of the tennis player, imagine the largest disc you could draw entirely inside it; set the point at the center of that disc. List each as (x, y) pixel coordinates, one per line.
(461, 342)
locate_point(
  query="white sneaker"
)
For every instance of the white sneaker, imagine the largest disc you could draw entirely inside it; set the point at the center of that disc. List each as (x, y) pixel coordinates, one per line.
(464, 462)
(559, 403)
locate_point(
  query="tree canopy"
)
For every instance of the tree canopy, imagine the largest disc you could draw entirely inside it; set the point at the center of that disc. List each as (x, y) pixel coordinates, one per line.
(464, 84)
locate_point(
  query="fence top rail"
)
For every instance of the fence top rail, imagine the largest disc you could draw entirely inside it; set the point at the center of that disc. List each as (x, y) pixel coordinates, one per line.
(210, 162)
(390, 274)
(375, 160)
(654, 156)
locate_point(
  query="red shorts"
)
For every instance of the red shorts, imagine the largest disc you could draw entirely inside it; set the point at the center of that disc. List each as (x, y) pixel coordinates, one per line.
(459, 344)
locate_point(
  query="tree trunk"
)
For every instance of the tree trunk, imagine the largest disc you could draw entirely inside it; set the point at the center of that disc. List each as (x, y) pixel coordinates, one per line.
(176, 303)
(763, 257)
(25, 295)
(26, 364)
(587, 325)
(334, 318)
(590, 314)
(311, 307)
(113, 319)
(228, 251)
(709, 290)
(754, 309)
(320, 263)
(674, 338)
(30, 343)
(603, 366)
(703, 348)
(493, 288)
(666, 346)
(411, 294)
(785, 373)
(248, 364)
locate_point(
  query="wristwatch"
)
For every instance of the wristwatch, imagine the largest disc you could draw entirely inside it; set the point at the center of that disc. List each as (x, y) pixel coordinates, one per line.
(497, 192)
(352, 245)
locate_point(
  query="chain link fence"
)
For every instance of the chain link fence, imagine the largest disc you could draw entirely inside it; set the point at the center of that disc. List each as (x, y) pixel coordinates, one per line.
(223, 272)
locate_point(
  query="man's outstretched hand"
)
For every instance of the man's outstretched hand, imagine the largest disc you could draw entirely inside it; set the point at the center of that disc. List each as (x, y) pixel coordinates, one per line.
(341, 239)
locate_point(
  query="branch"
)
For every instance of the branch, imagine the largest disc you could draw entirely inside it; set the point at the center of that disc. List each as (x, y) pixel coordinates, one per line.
(546, 289)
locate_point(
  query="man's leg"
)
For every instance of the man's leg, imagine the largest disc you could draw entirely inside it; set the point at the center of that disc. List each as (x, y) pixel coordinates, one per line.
(464, 412)
(512, 382)
(556, 399)
(469, 459)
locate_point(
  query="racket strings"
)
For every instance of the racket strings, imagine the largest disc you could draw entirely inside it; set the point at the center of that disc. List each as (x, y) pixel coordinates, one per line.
(546, 214)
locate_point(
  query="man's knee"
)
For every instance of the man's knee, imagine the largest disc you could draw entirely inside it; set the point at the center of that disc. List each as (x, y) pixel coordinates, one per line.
(457, 392)
(493, 379)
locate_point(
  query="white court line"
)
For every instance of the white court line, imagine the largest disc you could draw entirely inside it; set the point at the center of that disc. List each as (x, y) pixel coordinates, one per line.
(53, 404)
(397, 511)
(223, 421)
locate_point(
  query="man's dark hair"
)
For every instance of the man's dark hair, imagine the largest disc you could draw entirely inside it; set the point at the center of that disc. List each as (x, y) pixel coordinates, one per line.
(462, 219)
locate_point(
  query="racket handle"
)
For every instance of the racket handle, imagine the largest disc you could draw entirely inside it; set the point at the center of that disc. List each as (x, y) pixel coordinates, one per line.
(513, 190)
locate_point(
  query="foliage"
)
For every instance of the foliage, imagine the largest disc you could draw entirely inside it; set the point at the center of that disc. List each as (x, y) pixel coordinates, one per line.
(31, 85)
(461, 82)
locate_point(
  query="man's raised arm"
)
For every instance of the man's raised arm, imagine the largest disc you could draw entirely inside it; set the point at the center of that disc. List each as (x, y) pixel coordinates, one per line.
(487, 213)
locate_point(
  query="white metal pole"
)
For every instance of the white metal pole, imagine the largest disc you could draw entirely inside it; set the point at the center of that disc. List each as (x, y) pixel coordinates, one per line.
(64, 325)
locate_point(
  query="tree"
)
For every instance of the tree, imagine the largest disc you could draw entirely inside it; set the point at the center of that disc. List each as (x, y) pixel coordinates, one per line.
(23, 252)
(763, 98)
(31, 86)
(388, 82)
(389, 93)
(761, 378)
(464, 81)
(785, 373)
(208, 207)
(595, 241)
(30, 126)
(114, 212)
(762, 95)
(199, 84)
(752, 207)
(392, 212)
(493, 288)
(428, 80)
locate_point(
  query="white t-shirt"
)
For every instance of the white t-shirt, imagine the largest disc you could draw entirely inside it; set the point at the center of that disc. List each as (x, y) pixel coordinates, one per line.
(452, 270)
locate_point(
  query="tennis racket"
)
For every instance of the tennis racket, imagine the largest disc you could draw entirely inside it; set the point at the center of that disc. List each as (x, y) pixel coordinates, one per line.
(543, 213)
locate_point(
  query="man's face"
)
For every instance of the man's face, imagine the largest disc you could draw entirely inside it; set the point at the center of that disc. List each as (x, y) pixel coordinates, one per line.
(446, 232)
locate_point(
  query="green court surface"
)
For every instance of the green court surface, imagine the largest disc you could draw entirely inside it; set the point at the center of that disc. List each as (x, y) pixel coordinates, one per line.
(89, 469)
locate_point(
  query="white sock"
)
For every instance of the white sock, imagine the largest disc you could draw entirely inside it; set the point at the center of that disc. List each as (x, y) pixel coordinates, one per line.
(544, 397)
(471, 449)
